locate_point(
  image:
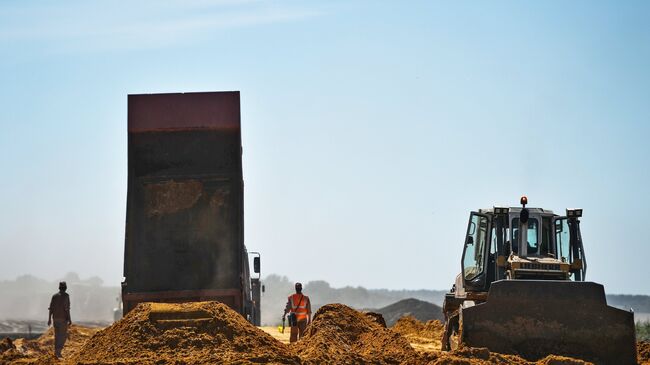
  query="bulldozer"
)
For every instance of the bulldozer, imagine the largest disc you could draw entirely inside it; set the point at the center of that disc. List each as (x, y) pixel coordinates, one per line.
(522, 290)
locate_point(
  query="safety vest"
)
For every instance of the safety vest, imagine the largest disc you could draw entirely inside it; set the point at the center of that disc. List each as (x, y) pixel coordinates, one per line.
(299, 306)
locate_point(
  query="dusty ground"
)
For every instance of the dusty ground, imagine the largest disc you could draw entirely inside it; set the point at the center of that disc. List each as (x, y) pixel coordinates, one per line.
(275, 332)
(77, 337)
(342, 335)
(41, 350)
(643, 350)
(423, 337)
(210, 333)
(190, 333)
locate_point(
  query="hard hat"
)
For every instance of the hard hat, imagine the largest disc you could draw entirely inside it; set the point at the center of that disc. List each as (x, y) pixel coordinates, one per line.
(298, 286)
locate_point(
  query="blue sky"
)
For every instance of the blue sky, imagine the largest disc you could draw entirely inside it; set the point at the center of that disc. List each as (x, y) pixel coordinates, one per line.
(370, 128)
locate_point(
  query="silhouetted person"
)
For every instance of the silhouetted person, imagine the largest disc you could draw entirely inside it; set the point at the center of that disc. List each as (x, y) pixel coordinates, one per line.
(299, 306)
(60, 312)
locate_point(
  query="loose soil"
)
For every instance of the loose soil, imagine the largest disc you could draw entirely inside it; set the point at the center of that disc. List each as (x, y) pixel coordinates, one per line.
(643, 351)
(44, 345)
(8, 351)
(425, 338)
(377, 317)
(41, 349)
(212, 333)
(6, 344)
(422, 336)
(188, 333)
(482, 356)
(341, 335)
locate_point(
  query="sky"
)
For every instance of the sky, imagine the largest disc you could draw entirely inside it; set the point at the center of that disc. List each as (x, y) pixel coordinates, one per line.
(370, 128)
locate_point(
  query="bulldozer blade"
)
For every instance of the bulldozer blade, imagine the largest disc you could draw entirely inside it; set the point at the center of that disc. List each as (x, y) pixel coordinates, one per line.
(534, 318)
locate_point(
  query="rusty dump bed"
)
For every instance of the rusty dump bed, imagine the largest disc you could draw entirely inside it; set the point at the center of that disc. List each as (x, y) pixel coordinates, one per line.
(535, 318)
(184, 221)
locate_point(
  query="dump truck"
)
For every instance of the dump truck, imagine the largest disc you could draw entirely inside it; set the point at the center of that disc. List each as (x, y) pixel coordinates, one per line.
(184, 238)
(522, 290)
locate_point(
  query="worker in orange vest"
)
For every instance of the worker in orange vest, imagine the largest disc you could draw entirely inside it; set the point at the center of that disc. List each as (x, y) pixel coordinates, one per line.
(299, 309)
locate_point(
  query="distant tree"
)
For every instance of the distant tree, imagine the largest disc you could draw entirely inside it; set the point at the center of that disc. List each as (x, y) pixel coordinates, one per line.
(643, 331)
(318, 285)
(319, 291)
(27, 298)
(28, 280)
(71, 278)
(94, 281)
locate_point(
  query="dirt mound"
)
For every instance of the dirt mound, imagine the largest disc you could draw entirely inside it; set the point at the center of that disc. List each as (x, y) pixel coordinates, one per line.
(425, 338)
(17, 358)
(211, 333)
(421, 310)
(377, 317)
(643, 352)
(422, 336)
(44, 345)
(409, 325)
(472, 356)
(342, 335)
(6, 344)
(8, 351)
(561, 360)
(482, 356)
(188, 333)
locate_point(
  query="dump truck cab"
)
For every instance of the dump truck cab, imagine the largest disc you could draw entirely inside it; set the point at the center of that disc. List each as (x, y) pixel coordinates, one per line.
(522, 290)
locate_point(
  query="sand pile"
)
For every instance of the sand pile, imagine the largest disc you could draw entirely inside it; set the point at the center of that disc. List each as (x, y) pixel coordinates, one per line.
(6, 344)
(188, 333)
(421, 310)
(377, 317)
(422, 336)
(425, 339)
(77, 337)
(8, 351)
(342, 335)
(41, 350)
(643, 351)
(472, 356)
(211, 333)
(482, 356)
(22, 359)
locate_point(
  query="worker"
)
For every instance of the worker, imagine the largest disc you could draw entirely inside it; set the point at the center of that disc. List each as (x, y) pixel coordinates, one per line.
(299, 307)
(60, 313)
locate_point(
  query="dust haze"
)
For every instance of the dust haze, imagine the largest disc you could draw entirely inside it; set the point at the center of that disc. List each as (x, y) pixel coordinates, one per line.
(27, 298)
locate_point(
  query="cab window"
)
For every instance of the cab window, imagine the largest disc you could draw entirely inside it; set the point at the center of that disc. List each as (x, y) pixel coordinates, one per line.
(474, 253)
(546, 248)
(533, 229)
(562, 238)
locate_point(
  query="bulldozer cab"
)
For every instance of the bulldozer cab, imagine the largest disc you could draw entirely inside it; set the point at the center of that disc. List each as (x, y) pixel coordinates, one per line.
(522, 290)
(498, 237)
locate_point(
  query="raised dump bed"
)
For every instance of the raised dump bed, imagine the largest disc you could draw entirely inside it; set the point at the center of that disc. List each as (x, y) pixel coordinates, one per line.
(185, 202)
